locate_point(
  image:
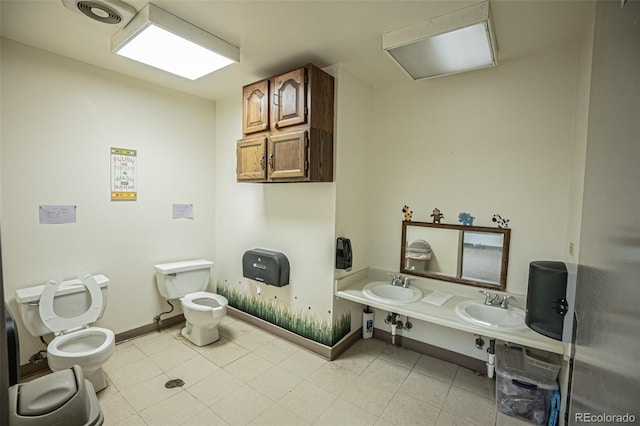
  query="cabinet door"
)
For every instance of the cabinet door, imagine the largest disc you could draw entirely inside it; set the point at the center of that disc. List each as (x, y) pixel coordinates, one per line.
(288, 156)
(255, 109)
(251, 159)
(289, 99)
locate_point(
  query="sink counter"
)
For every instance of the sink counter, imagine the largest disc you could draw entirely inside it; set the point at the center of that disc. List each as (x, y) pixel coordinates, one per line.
(350, 288)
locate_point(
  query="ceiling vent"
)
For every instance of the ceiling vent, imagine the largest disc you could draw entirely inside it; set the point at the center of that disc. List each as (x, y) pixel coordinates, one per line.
(113, 12)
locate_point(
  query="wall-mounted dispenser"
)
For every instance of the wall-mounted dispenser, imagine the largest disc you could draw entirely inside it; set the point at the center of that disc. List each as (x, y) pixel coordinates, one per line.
(267, 266)
(550, 299)
(344, 256)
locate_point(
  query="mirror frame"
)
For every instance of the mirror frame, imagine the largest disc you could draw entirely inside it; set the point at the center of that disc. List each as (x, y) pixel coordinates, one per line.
(506, 233)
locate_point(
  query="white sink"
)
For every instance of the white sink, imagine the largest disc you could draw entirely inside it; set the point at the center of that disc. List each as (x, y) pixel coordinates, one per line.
(382, 291)
(477, 313)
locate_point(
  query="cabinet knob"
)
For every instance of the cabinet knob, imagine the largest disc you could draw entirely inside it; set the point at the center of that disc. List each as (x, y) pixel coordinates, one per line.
(262, 162)
(271, 160)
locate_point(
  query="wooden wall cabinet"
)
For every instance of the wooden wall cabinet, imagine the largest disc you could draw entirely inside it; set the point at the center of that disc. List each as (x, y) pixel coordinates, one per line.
(287, 124)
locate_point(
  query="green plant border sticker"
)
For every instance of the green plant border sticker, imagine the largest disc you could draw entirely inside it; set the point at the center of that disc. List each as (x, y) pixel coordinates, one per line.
(297, 322)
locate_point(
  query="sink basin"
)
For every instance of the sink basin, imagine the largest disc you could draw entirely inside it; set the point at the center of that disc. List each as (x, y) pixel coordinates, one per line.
(384, 292)
(477, 313)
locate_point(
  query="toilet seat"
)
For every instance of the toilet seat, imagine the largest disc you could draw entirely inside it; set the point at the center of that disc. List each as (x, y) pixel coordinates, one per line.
(59, 324)
(189, 301)
(80, 350)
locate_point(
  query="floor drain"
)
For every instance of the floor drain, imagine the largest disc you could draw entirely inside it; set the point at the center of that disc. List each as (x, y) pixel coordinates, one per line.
(173, 383)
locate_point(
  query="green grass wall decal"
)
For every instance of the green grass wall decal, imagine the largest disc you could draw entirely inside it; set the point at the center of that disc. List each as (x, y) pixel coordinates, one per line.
(297, 322)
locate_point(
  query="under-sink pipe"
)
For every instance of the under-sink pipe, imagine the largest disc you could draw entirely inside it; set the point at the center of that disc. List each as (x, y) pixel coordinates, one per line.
(392, 319)
(491, 350)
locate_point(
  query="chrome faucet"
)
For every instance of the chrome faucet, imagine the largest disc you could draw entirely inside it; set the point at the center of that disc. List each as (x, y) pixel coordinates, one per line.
(505, 301)
(495, 300)
(406, 281)
(396, 279)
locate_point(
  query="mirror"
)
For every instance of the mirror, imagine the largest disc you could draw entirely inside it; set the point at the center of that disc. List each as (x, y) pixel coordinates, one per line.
(472, 255)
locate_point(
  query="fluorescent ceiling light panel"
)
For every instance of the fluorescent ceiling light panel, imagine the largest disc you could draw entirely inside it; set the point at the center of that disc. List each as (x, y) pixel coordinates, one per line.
(457, 42)
(162, 40)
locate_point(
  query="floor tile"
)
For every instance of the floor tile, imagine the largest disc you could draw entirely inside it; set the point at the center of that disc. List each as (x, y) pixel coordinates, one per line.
(241, 406)
(215, 386)
(252, 377)
(155, 342)
(149, 393)
(276, 415)
(367, 395)
(192, 371)
(504, 420)
(134, 373)
(173, 356)
(436, 368)
(332, 378)
(235, 329)
(344, 413)
(302, 363)
(355, 359)
(446, 419)
(399, 355)
(174, 411)
(248, 367)
(307, 401)
(222, 352)
(471, 407)
(406, 410)
(114, 407)
(134, 420)
(205, 417)
(276, 350)
(425, 388)
(275, 382)
(123, 355)
(475, 382)
(253, 339)
(386, 374)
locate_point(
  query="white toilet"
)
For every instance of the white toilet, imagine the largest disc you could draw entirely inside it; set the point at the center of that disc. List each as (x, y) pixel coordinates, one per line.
(66, 308)
(203, 311)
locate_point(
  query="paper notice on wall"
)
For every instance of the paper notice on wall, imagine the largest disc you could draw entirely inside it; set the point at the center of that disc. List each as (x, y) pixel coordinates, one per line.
(183, 211)
(124, 165)
(57, 214)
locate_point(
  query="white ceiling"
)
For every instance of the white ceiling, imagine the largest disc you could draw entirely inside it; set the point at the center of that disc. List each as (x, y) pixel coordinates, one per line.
(275, 36)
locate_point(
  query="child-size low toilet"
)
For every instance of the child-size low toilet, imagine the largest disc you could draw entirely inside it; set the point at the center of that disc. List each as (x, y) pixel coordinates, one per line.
(202, 310)
(66, 308)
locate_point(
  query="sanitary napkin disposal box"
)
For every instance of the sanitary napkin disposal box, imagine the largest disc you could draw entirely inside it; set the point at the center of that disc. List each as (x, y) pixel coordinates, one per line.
(267, 266)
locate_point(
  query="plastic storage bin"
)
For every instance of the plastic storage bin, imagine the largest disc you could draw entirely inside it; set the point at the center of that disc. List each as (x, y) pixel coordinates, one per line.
(519, 393)
(541, 364)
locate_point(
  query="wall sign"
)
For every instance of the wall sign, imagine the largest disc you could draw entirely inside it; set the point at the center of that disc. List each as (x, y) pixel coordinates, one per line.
(57, 214)
(184, 211)
(123, 174)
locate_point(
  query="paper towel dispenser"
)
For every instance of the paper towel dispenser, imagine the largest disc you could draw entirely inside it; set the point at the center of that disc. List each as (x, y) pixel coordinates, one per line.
(267, 266)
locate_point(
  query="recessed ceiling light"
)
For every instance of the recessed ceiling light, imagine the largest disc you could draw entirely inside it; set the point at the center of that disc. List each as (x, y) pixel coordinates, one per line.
(157, 38)
(456, 42)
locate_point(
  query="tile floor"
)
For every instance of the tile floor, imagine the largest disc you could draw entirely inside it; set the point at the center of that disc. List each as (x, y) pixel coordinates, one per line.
(250, 377)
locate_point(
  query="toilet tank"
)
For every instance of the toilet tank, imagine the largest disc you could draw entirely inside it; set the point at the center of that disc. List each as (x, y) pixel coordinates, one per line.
(72, 299)
(177, 279)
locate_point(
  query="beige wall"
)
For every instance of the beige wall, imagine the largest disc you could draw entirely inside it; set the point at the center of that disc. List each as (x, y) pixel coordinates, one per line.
(579, 141)
(60, 117)
(295, 219)
(499, 140)
(491, 141)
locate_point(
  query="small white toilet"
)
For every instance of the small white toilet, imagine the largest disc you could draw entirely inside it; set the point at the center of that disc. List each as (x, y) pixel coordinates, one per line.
(203, 311)
(66, 308)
